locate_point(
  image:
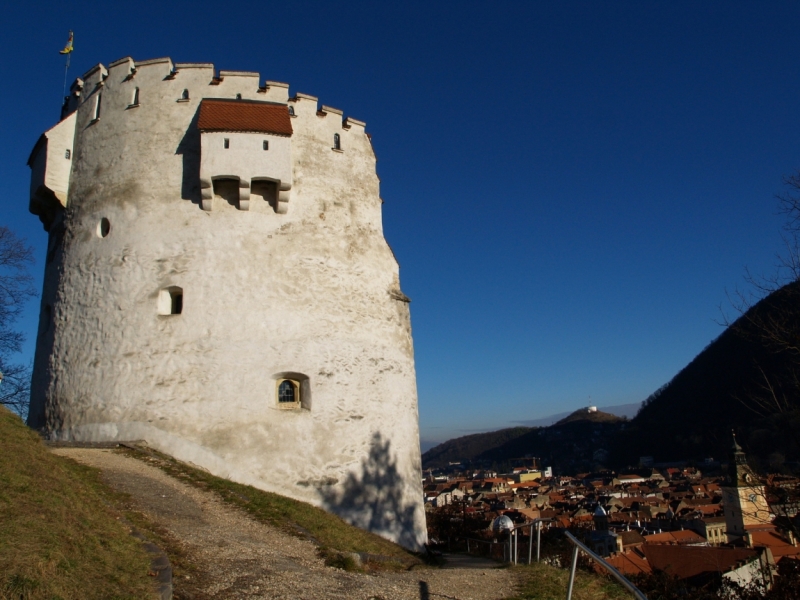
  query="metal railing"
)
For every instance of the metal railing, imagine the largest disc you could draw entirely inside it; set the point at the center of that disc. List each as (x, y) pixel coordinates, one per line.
(580, 546)
(513, 545)
(511, 550)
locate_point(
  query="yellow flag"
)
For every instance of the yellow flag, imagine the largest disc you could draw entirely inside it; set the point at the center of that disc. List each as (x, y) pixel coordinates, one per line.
(68, 48)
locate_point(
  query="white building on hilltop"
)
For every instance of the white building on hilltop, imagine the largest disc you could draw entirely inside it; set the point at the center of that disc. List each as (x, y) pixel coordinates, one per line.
(217, 284)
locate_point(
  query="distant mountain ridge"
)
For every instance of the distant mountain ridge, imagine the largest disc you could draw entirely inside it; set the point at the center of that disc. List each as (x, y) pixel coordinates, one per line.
(573, 435)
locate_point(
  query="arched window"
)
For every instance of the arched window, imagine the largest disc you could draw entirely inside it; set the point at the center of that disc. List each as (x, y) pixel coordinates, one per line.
(292, 391)
(185, 95)
(238, 96)
(337, 142)
(291, 111)
(288, 392)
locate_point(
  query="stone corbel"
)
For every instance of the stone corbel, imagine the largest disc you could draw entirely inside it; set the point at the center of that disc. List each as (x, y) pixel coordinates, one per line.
(207, 193)
(282, 201)
(244, 194)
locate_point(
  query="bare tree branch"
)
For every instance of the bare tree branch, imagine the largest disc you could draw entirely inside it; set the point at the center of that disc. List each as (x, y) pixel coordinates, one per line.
(16, 287)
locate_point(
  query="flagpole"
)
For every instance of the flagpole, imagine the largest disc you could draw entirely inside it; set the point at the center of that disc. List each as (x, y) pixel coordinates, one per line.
(66, 68)
(68, 51)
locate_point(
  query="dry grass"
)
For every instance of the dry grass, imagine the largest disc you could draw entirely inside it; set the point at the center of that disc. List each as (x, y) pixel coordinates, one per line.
(543, 582)
(335, 538)
(59, 535)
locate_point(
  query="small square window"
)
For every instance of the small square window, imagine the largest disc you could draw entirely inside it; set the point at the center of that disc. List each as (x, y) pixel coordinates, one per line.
(170, 301)
(265, 145)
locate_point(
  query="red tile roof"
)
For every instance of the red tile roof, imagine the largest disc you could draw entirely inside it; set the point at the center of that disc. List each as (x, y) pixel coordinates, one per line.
(775, 542)
(629, 563)
(685, 562)
(244, 116)
(675, 537)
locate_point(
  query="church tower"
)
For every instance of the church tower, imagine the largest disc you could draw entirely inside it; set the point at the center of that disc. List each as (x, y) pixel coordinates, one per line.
(744, 499)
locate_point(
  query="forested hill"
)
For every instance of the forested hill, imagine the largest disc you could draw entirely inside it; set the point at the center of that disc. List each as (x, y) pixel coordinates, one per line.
(470, 447)
(570, 443)
(748, 379)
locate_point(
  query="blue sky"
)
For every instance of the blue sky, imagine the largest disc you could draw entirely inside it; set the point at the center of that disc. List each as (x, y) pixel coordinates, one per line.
(571, 188)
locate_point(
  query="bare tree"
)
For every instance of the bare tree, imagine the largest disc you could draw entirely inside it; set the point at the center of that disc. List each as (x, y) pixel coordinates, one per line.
(16, 287)
(768, 314)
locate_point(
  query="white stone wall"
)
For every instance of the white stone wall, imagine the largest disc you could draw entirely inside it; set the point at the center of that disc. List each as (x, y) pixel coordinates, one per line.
(314, 291)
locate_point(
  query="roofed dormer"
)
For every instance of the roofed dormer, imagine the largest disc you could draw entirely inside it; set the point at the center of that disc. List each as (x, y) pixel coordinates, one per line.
(245, 151)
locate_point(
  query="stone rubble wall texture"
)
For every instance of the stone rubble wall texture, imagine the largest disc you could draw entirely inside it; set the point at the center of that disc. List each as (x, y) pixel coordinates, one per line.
(314, 292)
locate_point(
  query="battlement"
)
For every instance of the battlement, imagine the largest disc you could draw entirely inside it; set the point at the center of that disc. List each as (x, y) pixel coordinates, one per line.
(159, 76)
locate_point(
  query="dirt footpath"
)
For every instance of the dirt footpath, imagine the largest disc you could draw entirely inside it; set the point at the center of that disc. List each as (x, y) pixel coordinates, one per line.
(237, 557)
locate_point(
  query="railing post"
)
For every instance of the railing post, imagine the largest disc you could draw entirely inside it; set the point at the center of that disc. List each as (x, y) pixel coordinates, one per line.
(530, 544)
(538, 540)
(572, 572)
(516, 546)
(600, 561)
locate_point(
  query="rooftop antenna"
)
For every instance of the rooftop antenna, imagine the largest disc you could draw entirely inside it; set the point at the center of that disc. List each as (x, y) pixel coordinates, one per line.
(68, 51)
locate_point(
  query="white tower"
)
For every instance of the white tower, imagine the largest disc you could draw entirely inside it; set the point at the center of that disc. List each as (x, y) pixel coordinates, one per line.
(218, 284)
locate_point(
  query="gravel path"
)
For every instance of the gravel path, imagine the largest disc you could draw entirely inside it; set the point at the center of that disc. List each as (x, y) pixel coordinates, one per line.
(237, 557)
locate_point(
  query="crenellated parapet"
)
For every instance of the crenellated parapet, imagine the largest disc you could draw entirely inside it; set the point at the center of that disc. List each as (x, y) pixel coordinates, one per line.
(189, 80)
(151, 118)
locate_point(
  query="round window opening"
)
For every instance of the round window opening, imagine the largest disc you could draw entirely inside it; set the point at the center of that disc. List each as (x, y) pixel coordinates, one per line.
(103, 228)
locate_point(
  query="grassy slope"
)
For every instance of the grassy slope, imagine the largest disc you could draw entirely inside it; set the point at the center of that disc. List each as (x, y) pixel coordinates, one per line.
(543, 582)
(58, 536)
(332, 534)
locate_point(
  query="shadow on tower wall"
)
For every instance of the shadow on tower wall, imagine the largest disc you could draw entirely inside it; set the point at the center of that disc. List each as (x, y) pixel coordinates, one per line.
(373, 498)
(189, 150)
